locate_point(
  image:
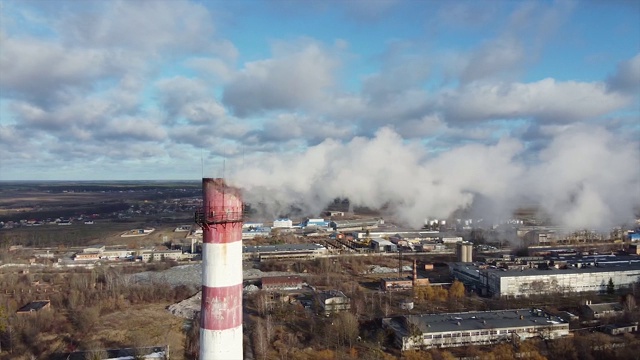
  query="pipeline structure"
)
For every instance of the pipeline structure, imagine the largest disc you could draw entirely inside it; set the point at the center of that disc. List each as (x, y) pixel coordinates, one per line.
(221, 308)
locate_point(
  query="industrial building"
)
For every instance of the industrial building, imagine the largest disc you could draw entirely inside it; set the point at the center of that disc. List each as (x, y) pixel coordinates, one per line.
(614, 329)
(473, 328)
(451, 239)
(360, 224)
(602, 310)
(282, 224)
(271, 283)
(321, 223)
(252, 232)
(540, 238)
(382, 245)
(283, 251)
(332, 301)
(404, 283)
(524, 281)
(409, 234)
(252, 225)
(159, 255)
(100, 252)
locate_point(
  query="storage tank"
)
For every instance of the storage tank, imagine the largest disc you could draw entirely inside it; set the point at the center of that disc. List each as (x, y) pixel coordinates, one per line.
(464, 252)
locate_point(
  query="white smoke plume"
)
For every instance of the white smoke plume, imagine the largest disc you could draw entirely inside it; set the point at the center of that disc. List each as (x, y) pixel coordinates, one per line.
(584, 177)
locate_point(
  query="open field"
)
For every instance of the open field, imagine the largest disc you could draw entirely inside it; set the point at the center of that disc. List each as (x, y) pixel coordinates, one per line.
(35, 200)
(142, 325)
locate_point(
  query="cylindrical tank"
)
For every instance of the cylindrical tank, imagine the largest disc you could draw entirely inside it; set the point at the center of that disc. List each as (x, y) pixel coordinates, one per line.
(464, 252)
(468, 253)
(221, 308)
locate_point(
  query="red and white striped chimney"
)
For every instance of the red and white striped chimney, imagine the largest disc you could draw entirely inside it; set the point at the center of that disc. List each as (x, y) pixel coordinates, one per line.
(221, 311)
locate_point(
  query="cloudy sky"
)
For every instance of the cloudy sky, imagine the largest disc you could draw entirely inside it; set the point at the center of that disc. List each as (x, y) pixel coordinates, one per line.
(101, 90)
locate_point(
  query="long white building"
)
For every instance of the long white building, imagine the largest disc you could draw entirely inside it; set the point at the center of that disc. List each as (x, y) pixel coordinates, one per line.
(473, 328)
(525, 282)
(282, 223)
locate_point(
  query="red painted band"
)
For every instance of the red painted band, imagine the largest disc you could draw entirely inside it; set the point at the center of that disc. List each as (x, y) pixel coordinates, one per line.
(221, 307)
(223, 233)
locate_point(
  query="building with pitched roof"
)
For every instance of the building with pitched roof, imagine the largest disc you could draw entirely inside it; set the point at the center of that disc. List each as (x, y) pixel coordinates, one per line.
(34, 307)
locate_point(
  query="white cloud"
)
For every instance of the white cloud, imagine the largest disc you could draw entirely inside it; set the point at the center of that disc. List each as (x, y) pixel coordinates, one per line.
(39, 70)
(291, 126)
(131, 128)
(495, 57)
(189, 98)
(547, 100)
(626, 78)
(293, 78)
(402, 70)
(213, 67)
(142, 26)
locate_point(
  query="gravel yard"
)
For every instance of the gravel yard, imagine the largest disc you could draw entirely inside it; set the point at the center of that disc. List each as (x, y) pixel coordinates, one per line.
(191, 275)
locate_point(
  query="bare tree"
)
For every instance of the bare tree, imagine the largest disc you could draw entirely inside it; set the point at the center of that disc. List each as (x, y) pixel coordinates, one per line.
(192, 339)
(260, 341)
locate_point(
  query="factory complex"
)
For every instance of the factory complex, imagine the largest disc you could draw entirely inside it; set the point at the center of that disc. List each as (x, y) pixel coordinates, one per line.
(354, 272)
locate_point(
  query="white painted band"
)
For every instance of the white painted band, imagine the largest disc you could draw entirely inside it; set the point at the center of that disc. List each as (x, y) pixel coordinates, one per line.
(222, 264)
(221, 344)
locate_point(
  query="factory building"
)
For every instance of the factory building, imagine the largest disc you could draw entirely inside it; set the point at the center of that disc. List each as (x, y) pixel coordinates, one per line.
(271, 283)
(540, 238)
(360, 224)
(252, 232)
(602, 310)
(333, 301)
(382, 245)
(530, 281)
(283, 251)
(402, 283)
(314, 223)
(473, 328)
(252, 225)
(451, 239)
(405, 283)
(414, 235)
(282, 224)
(159, 255)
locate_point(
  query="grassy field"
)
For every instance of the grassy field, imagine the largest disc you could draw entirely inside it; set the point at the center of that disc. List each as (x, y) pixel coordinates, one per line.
(144, 325)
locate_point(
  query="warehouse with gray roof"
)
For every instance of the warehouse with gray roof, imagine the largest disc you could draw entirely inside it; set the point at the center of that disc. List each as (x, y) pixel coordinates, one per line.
(473, 328)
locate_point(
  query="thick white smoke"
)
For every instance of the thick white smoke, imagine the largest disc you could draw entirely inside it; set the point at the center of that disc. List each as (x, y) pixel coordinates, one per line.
(584, 178)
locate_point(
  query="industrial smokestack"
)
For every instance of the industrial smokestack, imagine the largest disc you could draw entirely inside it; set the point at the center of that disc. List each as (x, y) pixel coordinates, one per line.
(221, 309)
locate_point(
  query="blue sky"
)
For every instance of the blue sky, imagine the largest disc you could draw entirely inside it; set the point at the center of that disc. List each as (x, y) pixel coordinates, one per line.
(101, 90)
